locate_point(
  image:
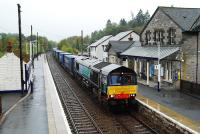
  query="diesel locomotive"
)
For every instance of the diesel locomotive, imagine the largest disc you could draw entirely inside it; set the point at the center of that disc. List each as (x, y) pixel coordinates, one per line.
(111, 83)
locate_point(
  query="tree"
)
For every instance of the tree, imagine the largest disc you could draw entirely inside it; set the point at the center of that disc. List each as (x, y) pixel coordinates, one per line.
(146, 16)
(108, 24)
(123, 22)
(140, 19)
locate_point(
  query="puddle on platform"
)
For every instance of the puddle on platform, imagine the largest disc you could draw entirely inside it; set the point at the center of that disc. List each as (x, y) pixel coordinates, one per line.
(174, 115)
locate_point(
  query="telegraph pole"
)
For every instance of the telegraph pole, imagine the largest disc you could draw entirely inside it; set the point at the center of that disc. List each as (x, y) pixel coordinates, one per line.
(32, 46)
(20, 48)
(81, 42)
(37, 45)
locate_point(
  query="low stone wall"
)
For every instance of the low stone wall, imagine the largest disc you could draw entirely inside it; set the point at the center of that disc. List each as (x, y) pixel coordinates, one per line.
(160, 122)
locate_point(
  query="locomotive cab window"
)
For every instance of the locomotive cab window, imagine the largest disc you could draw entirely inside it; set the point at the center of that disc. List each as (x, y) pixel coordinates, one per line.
(122, 79)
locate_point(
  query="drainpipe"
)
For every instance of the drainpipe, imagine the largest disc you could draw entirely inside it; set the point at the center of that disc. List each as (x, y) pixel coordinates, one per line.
(197, 64)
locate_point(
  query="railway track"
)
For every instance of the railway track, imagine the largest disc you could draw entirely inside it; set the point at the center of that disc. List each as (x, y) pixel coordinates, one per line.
(132, 125)
(80, 119)
(94, 121)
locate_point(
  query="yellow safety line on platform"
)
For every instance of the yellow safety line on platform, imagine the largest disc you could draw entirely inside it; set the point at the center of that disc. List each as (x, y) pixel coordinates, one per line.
(169, 112)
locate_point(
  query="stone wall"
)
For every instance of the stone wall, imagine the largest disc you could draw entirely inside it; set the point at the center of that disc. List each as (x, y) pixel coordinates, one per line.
(160, 122)
(161, 21)
(189, 65)
(187, 41)
(112, 53)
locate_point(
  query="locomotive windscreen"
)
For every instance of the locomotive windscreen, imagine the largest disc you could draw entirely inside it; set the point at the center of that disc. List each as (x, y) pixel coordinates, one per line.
(122, 76)
(122, 79)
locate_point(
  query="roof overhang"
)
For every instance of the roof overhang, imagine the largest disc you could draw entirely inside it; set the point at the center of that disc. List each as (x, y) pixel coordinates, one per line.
(150, 52)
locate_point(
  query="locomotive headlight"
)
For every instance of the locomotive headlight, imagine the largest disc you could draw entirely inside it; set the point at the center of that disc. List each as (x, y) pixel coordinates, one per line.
(111, 96)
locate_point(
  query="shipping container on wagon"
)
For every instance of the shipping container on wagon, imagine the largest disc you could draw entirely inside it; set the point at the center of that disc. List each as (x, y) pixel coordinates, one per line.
(61, 57)
(69, 63)
(58, 53)
(54, 51)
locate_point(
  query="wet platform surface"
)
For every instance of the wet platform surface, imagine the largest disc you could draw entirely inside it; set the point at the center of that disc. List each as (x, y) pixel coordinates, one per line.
(30, 116)
(181, 107)
(9, 99)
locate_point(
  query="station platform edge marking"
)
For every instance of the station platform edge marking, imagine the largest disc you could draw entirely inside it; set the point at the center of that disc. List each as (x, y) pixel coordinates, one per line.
(166, 116)
(53, 119)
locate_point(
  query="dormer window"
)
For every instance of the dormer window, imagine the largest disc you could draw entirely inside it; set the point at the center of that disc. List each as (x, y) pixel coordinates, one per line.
(172, 36)
(148, 37)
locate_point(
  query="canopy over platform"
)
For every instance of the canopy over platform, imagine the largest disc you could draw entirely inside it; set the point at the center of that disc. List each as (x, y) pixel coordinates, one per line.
(150, 52)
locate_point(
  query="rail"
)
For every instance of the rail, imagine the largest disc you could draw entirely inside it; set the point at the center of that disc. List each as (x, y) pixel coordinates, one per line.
(79, 117)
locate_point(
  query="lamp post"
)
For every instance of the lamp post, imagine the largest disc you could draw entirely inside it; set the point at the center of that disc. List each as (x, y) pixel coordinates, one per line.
(158, 66)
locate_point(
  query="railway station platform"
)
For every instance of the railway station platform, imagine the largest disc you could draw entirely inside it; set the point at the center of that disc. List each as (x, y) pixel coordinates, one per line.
(41, 111)
(9, 99)
(178, 106)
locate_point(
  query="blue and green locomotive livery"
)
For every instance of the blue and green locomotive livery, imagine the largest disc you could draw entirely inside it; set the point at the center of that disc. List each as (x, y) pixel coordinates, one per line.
(112, 83)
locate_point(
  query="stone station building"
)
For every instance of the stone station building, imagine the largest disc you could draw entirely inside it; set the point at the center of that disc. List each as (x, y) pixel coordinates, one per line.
(172, 37)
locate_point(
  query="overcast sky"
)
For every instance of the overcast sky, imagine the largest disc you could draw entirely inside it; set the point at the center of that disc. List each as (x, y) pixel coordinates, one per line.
(58, 19)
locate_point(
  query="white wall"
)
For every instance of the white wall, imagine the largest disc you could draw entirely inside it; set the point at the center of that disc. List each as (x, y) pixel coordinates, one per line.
(100, 54)
(10, 78)
(93, 52)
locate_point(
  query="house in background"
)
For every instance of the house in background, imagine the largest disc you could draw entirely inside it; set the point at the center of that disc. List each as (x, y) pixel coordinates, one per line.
(176, 31)
(122, 36)
(97, 49)
(115, 48)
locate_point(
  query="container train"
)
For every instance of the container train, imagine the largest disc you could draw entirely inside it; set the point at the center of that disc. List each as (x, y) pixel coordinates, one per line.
(111, 83)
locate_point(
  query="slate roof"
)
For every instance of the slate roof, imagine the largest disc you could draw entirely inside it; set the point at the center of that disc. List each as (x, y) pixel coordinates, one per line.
(100, 41)
(121, 35)
(117, 37)
(184, 17)
(196, 26)
(119, 46)
(150, 52)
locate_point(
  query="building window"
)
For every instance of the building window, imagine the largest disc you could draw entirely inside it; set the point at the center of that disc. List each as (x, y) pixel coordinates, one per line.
(148, 37)
(158, 36)
(172, 36)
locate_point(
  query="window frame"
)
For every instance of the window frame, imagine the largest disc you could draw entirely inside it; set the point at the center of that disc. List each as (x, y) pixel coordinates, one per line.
(172, 35)
(159, 35)
(148, 37)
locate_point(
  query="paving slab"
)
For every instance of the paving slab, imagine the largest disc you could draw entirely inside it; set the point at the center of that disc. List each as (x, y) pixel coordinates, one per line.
(179, 106)
(9, 99)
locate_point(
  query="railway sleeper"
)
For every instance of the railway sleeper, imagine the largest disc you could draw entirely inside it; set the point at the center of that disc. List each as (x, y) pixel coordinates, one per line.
(86, 128)
(79, 123)
(90, 132)
(80, 118)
